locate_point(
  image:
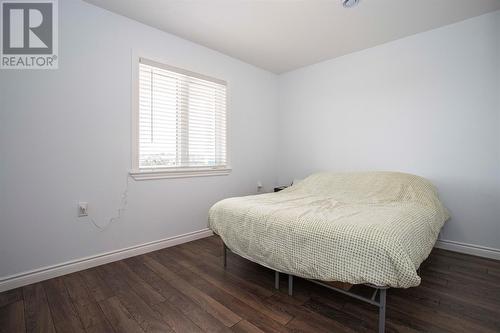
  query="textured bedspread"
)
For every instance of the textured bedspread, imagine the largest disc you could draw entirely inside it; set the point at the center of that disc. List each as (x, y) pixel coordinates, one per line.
(374, 227)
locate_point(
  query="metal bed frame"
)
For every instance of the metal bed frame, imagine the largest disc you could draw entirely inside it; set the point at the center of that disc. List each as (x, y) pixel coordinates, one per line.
(379, 301)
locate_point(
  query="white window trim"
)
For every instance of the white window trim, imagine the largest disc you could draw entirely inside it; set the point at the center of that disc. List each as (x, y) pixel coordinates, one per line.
(178, 173)
(164, 173)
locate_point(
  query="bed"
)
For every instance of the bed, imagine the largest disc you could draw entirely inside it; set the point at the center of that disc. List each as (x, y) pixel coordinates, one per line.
(373, 228)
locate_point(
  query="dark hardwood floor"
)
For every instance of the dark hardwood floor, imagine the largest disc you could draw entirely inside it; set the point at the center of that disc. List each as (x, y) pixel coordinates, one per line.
(186, 289)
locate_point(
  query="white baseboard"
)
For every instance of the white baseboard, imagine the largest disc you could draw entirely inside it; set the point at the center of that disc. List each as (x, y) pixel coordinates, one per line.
(475, 250)
(44, 273)
(49, 272)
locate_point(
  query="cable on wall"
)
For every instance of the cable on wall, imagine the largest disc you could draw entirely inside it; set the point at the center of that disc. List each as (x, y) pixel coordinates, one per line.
(120, 210)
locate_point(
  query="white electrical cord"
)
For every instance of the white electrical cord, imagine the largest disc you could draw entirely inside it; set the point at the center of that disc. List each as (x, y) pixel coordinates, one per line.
(121, 209)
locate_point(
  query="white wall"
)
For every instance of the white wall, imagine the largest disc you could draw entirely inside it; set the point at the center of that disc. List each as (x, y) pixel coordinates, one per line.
(427, 104)
(65, 136)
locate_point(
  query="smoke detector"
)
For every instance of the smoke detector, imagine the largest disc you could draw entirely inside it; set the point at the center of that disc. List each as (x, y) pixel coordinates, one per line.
(349, 3)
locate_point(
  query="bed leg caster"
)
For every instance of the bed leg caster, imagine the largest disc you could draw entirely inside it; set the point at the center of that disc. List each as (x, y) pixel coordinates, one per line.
(290, 285)
(381, 311)
(276, 280)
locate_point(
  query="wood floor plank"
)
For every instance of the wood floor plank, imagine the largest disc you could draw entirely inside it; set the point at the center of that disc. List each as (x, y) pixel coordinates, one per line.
(141, 288)
(441, 319)
(495, 272)
(244, 269)
(36, 310)
(121, 320)
(216, 309)
(305, 325)
(11, 296)
(186, 289)
(394, 322)
(253, 316)
(290, 305)
(297, 310)
(232, 285)
(398, 315)
(101, 327)
(468, 309)
(202, 246)
(215, 266)
(176, 319)
(119, 278)
(466, 258)
(77, 289)
(12, 318)
(86, 306)
(197, 314)
(140, 307)
(115, 282)
(148, 319)
(92, 317)
(246, 327)
(97, 287)
(461, 279)
(243, 310)
(61, 307)
(339, 316)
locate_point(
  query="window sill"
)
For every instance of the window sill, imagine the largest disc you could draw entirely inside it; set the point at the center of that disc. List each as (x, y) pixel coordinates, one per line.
(177, 173)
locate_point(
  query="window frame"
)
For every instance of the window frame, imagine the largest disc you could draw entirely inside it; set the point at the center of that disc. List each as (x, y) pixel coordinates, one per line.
(181, 172)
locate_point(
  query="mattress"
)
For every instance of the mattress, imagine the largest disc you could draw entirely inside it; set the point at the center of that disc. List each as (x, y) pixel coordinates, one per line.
(371, 227)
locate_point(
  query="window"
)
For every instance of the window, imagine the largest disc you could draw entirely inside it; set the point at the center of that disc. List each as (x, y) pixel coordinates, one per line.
(181, 123)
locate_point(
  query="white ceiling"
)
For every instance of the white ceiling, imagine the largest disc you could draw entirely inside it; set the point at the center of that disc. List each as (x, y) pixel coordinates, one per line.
(282, 35)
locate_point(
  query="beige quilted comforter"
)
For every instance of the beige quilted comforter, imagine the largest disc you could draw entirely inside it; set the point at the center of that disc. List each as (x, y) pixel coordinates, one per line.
(373, 227)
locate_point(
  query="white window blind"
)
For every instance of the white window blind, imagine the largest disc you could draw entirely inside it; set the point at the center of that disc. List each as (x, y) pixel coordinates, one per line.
(182, 119)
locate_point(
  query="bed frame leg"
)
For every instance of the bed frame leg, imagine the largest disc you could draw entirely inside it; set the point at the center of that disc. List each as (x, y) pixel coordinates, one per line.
(276, 280)
(290, 285)
(381, 311)
(225, 255)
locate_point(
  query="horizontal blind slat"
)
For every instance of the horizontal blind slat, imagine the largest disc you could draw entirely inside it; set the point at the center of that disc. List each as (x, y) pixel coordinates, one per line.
(182, 119)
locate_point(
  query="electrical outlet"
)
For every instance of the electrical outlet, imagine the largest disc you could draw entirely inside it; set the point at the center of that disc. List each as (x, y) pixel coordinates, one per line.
(82, 209)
